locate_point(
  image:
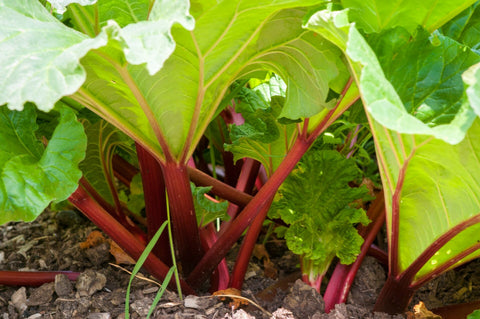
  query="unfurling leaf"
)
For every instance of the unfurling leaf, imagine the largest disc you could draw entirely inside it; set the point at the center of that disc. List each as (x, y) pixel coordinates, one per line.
(207, 210)
(315, 200)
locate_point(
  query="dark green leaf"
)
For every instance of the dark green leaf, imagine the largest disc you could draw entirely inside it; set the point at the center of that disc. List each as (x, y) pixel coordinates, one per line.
(425, 72)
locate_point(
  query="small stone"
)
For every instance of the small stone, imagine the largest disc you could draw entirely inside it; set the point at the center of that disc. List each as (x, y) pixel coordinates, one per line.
(19, 299)
(192, 302)
(239, 314)
(282, 313)
(90, 282)
(63, 285)
(99, 315)
(150, 290)
(303, 300)
(41, 295)
(117, 297)
(142, 306)
(35, 316)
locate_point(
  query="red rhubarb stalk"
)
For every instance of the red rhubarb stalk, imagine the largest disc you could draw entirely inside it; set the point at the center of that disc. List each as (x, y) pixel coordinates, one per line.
(246, 250)
(155, 202)
(132, 246)
(342, 278)
(32, 278)
(182, 213)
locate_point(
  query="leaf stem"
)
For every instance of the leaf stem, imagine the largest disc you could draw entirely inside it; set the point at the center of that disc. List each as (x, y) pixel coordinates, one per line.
(121, 235)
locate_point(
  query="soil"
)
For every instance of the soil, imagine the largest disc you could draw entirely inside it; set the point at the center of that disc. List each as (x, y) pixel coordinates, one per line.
(52, 241)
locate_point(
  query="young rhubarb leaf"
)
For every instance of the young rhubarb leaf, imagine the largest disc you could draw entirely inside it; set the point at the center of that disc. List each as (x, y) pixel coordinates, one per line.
(261, 137)
(33, 176)
(316, 201)
(207, 210)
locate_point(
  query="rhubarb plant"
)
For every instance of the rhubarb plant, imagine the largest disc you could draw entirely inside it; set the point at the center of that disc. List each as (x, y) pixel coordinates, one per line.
(160, 74)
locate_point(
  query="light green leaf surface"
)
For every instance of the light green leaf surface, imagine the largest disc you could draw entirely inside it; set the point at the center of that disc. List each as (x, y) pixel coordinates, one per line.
(441, 189)
(425, 72)
(60, 5)
(378, 15)
(32, 177)
(384, 103)
(40, 56)
(150, 41)
(103, 139)
(234, 40)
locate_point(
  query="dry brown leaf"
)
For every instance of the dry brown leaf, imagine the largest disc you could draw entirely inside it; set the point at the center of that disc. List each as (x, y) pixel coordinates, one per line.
(269, 269)
(121, 257)
(421, 312)
(260, 252)
(94, 239)
(230, 293)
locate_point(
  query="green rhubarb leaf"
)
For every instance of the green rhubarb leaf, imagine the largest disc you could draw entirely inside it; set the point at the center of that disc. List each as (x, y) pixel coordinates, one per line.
(103, 139)
(261, 137)
(233, 40)
(32, 177)
(315, 201)
(206, 209)
(145, 35)
(137, 86)
(377, 15)
(425, 97)
(440, 190)
(40, 56)
(425, 72)
(384, 103)
(465, 28)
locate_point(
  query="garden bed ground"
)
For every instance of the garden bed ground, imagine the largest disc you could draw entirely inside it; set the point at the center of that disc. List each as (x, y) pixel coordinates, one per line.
(52, 243)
